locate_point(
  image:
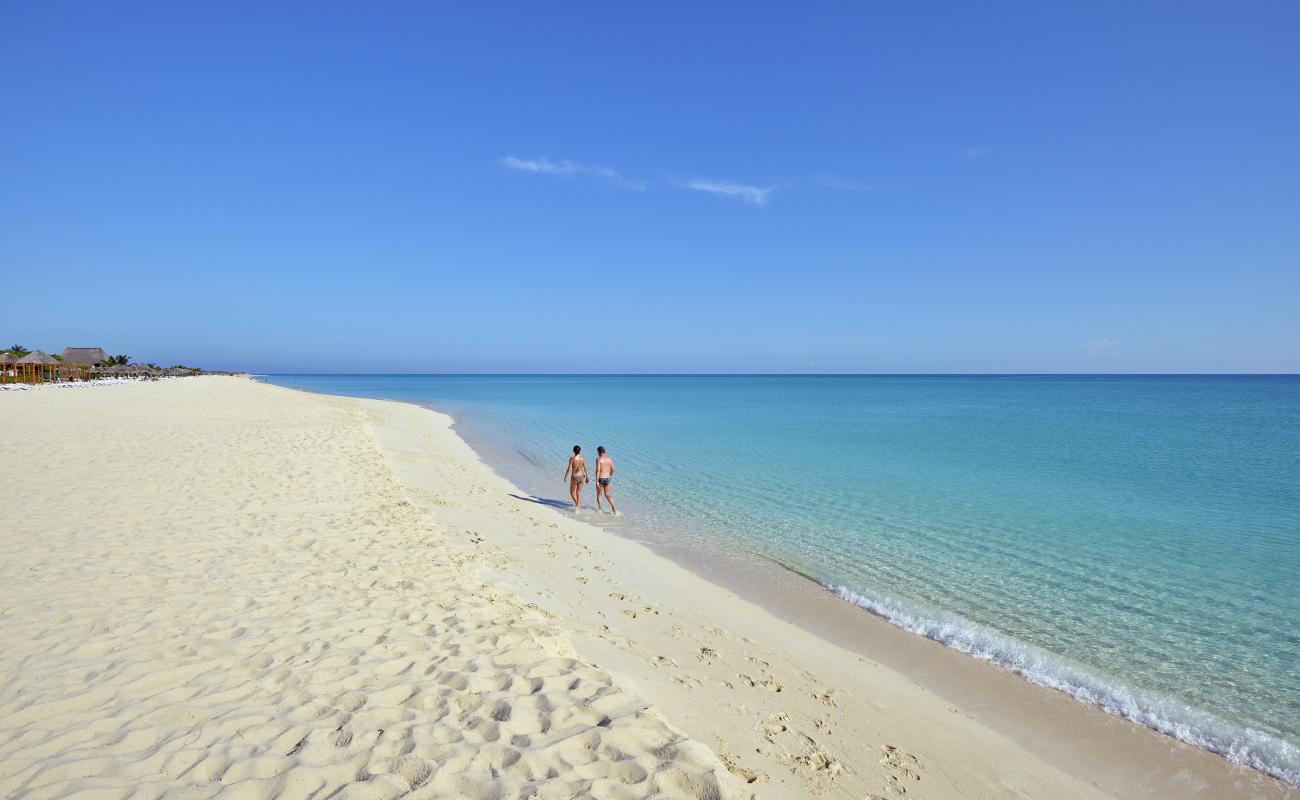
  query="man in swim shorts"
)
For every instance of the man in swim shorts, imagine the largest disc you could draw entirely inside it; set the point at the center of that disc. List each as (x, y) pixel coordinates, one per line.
(576, 475)
(604, 474)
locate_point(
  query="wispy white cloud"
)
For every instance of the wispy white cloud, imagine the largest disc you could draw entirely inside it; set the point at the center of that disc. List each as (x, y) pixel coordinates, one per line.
(1102, 344)
(756, 195)
(975, 152)
(544, 166)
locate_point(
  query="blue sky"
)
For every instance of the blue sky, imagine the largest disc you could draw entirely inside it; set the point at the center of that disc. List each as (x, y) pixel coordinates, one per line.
(853, 187)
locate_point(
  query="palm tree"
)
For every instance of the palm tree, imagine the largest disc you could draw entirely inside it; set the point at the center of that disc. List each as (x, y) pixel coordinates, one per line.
(18, 350)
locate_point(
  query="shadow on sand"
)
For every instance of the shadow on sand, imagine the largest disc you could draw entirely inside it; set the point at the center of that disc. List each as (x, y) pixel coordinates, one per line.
(545, 501)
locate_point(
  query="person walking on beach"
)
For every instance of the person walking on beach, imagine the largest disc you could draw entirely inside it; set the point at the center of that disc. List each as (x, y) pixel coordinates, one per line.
(604, 474)
(576, 475)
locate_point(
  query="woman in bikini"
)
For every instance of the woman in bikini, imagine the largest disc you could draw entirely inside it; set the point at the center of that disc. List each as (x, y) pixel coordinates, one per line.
(576, 475)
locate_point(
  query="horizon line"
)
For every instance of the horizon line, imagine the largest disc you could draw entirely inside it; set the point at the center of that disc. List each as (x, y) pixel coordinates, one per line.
(787, 374)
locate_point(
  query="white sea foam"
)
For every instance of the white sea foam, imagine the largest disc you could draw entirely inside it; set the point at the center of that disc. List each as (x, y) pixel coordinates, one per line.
(1196, 726)
(1098, 548)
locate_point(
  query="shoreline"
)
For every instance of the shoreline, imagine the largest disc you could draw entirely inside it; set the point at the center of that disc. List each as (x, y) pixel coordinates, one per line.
(1029, 712)
(737, 571)
(800, 695)
(962, 678)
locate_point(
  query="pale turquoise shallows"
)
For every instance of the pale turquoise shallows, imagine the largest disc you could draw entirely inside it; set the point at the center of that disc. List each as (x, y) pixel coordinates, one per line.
(1134, 541)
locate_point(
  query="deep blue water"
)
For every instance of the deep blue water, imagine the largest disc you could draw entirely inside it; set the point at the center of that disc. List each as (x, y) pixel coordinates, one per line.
(1134, 541)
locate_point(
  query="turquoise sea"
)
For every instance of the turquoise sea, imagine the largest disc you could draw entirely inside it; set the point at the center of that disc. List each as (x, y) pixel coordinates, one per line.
(1133, 541)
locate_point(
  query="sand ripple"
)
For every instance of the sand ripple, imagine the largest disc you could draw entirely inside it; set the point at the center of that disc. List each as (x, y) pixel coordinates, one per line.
(197, 606)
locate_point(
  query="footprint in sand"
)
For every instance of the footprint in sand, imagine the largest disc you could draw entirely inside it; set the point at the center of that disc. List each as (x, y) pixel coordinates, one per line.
(746, 775)
(766, 683)
(895, 785)
(820, 761)
(827, 698)
(770, 730)
(901, 767)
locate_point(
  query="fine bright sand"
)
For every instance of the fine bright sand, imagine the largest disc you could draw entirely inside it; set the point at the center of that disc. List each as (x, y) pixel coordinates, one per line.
(213, 587)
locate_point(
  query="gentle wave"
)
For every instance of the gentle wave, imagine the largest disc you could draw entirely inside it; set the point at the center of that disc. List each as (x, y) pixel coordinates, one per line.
(1253, 748)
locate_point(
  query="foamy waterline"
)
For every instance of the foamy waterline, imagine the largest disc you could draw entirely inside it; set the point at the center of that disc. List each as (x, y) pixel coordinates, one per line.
(1266, 753)
(1269, 754)
(1090, 646)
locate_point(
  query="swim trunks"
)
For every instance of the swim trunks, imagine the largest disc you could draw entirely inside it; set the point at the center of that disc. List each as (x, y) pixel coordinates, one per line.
(603, 481)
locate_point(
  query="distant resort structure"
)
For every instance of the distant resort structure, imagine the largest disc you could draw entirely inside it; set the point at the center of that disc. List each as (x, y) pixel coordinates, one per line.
(20, 365)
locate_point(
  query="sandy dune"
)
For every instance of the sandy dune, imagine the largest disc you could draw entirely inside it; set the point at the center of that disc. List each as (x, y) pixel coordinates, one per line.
(216, 587)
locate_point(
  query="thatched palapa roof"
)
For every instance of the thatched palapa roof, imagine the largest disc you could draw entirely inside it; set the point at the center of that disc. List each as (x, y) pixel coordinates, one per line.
(38, 357)
(86, 356)
(5, 358)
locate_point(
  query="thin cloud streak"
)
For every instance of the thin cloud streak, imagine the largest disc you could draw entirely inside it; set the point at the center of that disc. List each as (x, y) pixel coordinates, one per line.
(757, 195)
(543, 166)
(754, 195)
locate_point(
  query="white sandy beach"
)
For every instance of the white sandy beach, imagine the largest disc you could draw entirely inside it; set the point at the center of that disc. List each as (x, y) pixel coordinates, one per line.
(216, 587)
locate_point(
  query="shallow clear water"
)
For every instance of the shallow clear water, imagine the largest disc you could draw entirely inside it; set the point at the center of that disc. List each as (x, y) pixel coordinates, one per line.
(1134, 541)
